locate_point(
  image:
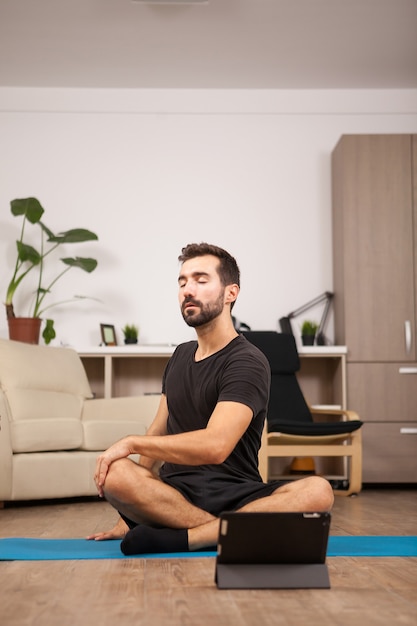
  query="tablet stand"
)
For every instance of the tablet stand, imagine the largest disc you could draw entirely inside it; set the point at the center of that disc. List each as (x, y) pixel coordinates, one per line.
(272, 576)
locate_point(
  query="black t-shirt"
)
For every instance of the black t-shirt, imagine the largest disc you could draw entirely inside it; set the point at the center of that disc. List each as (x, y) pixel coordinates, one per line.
(239, 373)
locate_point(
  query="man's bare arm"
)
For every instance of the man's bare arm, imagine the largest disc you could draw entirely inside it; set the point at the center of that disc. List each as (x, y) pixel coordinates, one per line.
(158, 428)
(211, 445)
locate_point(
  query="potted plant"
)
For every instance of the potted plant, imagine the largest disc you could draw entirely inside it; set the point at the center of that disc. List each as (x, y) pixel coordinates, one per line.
(28, 258)
(131, 333)
(308, 332)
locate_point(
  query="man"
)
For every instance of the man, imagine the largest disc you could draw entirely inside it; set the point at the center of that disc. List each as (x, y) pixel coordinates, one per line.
(207, 430)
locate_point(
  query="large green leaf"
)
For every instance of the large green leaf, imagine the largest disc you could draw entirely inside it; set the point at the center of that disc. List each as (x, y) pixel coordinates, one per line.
(28, 253)
(86, 264)
(75, 235)
(31, 208)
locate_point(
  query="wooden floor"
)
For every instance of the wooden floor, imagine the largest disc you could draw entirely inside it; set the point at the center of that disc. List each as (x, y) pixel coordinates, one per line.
(136, 592)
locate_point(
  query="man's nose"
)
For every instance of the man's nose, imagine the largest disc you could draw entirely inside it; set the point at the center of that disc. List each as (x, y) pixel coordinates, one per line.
(189, 289)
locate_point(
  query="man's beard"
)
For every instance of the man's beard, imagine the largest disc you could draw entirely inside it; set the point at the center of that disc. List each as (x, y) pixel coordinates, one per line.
(206, 314)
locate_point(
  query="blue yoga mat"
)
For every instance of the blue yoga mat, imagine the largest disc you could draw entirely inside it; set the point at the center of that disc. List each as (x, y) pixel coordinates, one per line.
(25, 549)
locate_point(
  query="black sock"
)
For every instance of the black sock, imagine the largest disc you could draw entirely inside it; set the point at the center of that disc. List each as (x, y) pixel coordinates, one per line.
(145, 539)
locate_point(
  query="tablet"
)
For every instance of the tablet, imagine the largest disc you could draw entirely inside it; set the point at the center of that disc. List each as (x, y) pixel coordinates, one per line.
(272, 550)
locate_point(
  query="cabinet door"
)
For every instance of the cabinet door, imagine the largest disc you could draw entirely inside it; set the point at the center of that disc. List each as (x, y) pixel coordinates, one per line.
(383, 392)
(373, 246)
(389, 452)
(414, 157)
(385, 397)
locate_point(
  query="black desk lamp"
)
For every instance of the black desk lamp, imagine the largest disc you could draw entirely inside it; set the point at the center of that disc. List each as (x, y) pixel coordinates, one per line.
(285, 322)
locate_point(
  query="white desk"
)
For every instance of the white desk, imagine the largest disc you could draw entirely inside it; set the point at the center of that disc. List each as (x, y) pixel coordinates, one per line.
(322, 374)
(125, 370)
(133, 370)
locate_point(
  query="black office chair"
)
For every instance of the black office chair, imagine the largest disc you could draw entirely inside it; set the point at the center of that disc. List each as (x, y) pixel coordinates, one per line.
(291, 427)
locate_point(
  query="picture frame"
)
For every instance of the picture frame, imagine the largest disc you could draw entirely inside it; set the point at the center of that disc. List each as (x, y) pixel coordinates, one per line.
(108, 335)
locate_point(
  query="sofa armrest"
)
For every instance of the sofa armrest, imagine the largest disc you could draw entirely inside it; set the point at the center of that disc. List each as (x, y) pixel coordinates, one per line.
(6, 453)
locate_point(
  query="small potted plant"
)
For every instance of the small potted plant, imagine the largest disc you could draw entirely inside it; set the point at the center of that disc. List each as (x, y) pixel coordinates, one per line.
(28, 258)
(131, 333)
(308, 332)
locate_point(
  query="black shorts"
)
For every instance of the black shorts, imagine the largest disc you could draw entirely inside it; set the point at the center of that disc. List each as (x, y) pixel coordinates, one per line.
(216, 492)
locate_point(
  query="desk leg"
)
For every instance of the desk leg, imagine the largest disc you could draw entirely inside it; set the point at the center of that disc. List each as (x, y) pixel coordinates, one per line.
(108, 376)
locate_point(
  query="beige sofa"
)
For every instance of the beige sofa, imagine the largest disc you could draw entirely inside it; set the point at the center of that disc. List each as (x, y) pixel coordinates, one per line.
(51, 428)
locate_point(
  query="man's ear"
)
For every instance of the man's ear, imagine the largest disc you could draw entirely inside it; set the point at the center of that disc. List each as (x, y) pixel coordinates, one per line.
(232, 292)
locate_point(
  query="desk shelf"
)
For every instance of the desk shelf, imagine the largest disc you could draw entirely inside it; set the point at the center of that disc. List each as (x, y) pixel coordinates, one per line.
(125, 370)
(322, 375)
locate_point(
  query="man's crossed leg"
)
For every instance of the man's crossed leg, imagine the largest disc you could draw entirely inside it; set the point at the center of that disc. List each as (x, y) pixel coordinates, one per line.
(167, 522)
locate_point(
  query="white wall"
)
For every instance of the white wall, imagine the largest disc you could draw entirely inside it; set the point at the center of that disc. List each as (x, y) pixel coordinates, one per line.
(151, 171)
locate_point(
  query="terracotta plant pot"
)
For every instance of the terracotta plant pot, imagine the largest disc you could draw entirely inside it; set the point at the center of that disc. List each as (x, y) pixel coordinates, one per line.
(25, 329)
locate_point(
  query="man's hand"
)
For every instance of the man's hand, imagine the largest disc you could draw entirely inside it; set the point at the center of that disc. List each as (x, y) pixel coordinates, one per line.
(120, 450)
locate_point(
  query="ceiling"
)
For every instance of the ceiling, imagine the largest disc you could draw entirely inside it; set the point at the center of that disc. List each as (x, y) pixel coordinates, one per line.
(224, 44)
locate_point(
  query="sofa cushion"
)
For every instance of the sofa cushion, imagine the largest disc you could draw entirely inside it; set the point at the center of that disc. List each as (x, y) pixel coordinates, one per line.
(45, 389)
(46, 435)
(101, 434)
(44, 421)
(107, 420)
(53, 475)
(25, 366)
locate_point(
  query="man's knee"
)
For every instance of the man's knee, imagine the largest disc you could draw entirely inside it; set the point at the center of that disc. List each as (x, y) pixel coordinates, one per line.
(322, 496)
(120, 475)
(313, 493)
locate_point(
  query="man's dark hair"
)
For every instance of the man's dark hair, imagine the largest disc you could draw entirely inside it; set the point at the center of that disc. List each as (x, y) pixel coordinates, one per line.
(228, 268)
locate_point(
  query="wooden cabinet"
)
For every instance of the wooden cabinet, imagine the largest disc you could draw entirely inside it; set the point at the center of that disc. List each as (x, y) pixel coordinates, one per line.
(374, 195)
(385, 394)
